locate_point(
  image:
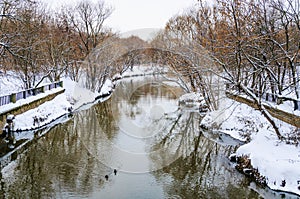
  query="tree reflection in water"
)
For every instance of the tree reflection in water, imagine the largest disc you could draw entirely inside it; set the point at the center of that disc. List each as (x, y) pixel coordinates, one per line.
(61, 157)
(201, 168)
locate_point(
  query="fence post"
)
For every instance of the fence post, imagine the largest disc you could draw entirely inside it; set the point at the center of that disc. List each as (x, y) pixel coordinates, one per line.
(279, 101)
(295, 105)
(43, 89)
(13, 98)
(29, 92)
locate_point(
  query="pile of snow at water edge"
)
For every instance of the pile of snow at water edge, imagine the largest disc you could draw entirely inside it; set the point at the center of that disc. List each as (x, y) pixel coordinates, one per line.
(236, 119)
(192, 98)
(76, 94)
(44, 114)
(193, 101)
(107, 88)
(277, 161)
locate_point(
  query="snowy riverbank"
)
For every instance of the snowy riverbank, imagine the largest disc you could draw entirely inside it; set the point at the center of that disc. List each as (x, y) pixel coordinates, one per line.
(74, 97)
(276, 160)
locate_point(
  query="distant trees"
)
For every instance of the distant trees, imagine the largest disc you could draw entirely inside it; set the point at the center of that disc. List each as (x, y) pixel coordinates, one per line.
(103, 60)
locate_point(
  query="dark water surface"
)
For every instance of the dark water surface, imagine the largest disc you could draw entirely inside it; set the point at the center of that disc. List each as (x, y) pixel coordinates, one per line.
(158, 149)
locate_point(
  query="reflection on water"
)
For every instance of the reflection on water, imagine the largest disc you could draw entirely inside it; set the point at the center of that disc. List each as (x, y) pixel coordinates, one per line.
(157, 148)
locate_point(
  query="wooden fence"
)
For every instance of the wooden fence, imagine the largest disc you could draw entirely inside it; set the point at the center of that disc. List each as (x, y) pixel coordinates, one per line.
(12, 98)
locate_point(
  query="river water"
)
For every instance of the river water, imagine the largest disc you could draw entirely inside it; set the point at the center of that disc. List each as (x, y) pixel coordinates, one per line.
(157, 148)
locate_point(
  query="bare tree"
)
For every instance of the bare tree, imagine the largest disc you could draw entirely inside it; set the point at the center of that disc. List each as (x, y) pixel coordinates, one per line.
(7, 18)
(87, 20)
(25, 41)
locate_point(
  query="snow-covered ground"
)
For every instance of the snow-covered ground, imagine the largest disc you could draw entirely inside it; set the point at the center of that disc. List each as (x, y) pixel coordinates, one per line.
(277, 161)
(21, 102)
(191, 97)
(76, 94)
(43, 114)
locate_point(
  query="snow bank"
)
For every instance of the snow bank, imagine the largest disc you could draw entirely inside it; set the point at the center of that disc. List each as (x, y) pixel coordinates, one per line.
(276, 160)
(77, 95)
(43, 114)
(236, 119)
(74, 96)
(193, 100)
(106, 88)
(191, 97)
(22, 102)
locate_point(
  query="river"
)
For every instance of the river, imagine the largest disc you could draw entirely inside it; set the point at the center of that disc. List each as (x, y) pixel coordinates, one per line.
(156, 147)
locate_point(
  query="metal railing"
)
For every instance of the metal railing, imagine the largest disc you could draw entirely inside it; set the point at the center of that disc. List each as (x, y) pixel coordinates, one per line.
(269, 97)
(12, 98)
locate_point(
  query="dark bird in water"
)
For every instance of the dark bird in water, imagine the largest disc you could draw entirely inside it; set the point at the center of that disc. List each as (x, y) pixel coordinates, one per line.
(115, 171)
(106, 177)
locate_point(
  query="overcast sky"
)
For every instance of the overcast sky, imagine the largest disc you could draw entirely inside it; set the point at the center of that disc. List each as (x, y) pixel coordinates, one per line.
(137, 14)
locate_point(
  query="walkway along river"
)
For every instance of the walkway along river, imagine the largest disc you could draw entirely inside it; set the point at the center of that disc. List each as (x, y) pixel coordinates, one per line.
(157, 149)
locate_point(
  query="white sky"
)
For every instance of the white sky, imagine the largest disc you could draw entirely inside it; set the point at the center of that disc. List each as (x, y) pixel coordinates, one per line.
(138, 14)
